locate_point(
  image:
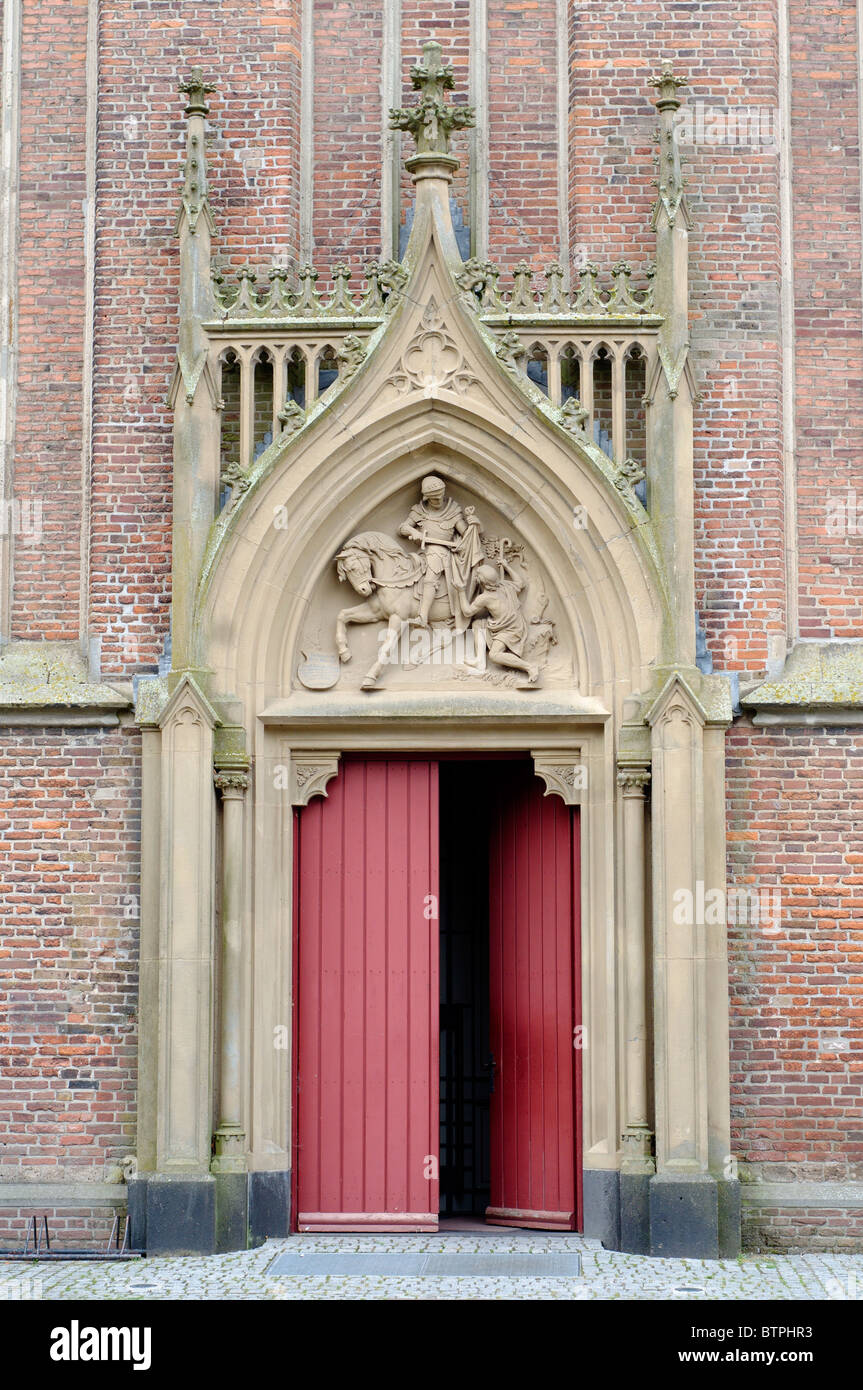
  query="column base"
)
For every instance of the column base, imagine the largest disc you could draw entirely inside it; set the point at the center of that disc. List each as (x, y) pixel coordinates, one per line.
(180, 1215)
(601, 1199)
(136, 1208)
(207, 1215)
(730, 1218)
(696, 1216)
(232, 1211)
(230, 1150)
(666, 1215)
(635, 1212)
(269, 1205)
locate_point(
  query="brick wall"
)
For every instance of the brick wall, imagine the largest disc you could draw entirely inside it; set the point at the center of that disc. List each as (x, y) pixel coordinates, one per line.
(449, 22)
(828, 324)
(805, 1228)
(795, 826)
(523, 142)
(69, 825)
(251, 52)
(46, 568)
(69, 1228)
(348, 139)
(730, 57)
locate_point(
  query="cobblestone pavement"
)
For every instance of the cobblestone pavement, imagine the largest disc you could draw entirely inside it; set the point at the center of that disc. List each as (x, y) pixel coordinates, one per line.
(605, 1275)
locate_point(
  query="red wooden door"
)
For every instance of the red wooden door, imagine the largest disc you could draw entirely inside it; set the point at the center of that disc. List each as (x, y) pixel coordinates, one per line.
(366, 971)
(533, 906)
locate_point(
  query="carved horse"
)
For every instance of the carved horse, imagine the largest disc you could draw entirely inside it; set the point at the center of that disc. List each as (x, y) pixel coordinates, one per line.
(389, 580)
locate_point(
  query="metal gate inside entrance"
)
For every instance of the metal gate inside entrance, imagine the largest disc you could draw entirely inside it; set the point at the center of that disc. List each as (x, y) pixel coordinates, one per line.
(436, 998)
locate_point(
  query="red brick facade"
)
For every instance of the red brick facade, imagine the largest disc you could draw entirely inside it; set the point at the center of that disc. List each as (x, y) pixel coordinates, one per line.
(795, 827)
(69, 822)
(69, 817)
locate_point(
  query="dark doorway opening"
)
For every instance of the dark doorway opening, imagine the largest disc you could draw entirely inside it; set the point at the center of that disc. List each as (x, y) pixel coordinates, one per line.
(466, 1068)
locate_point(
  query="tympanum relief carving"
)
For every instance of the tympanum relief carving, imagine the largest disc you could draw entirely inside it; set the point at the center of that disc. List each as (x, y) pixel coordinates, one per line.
(433, 593)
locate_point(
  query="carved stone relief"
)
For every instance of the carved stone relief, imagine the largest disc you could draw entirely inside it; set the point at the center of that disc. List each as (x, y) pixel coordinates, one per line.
(444, 596)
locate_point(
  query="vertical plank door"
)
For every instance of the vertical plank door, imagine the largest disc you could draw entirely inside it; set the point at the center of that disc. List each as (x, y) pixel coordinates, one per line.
(366, 1065)
(533, 906)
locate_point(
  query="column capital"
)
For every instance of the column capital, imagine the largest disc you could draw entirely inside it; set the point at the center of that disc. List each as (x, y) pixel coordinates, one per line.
(633, 780)
(232, 782)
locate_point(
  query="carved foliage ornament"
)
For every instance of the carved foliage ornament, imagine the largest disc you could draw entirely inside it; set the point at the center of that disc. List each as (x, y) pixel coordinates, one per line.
(231, 780)
(311, 773)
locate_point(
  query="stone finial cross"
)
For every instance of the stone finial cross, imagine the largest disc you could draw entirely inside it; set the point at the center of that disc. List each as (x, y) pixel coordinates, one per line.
(431, 122)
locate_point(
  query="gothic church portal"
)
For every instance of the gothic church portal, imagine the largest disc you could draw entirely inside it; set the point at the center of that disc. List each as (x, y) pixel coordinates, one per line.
(438, 864)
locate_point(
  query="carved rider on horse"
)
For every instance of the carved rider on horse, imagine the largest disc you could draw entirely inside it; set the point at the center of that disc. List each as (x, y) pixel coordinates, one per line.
(449, 537)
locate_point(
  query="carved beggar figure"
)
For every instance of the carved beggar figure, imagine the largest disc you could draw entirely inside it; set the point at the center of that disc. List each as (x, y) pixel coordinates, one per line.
(449, 584)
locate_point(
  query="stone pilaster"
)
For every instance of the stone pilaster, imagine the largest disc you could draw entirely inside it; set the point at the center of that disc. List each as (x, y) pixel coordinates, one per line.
(637, 1166)
(683, 1195)
(229, 1142)
(180, 1193)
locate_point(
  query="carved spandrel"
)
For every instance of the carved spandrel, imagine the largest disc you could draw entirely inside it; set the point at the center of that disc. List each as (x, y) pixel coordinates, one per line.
(563, 772)
(310, 774)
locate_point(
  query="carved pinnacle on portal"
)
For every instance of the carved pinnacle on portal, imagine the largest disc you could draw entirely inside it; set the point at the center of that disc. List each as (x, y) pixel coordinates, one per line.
(670, 181)
(197, 90)
(431, 121)
(195, 173)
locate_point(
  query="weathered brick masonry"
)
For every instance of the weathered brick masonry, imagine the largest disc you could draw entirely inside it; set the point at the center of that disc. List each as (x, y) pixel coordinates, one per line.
(51, 318)
(730, 56)
(795, 830)
(828, 315)
(69, 823)
(252, 52)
